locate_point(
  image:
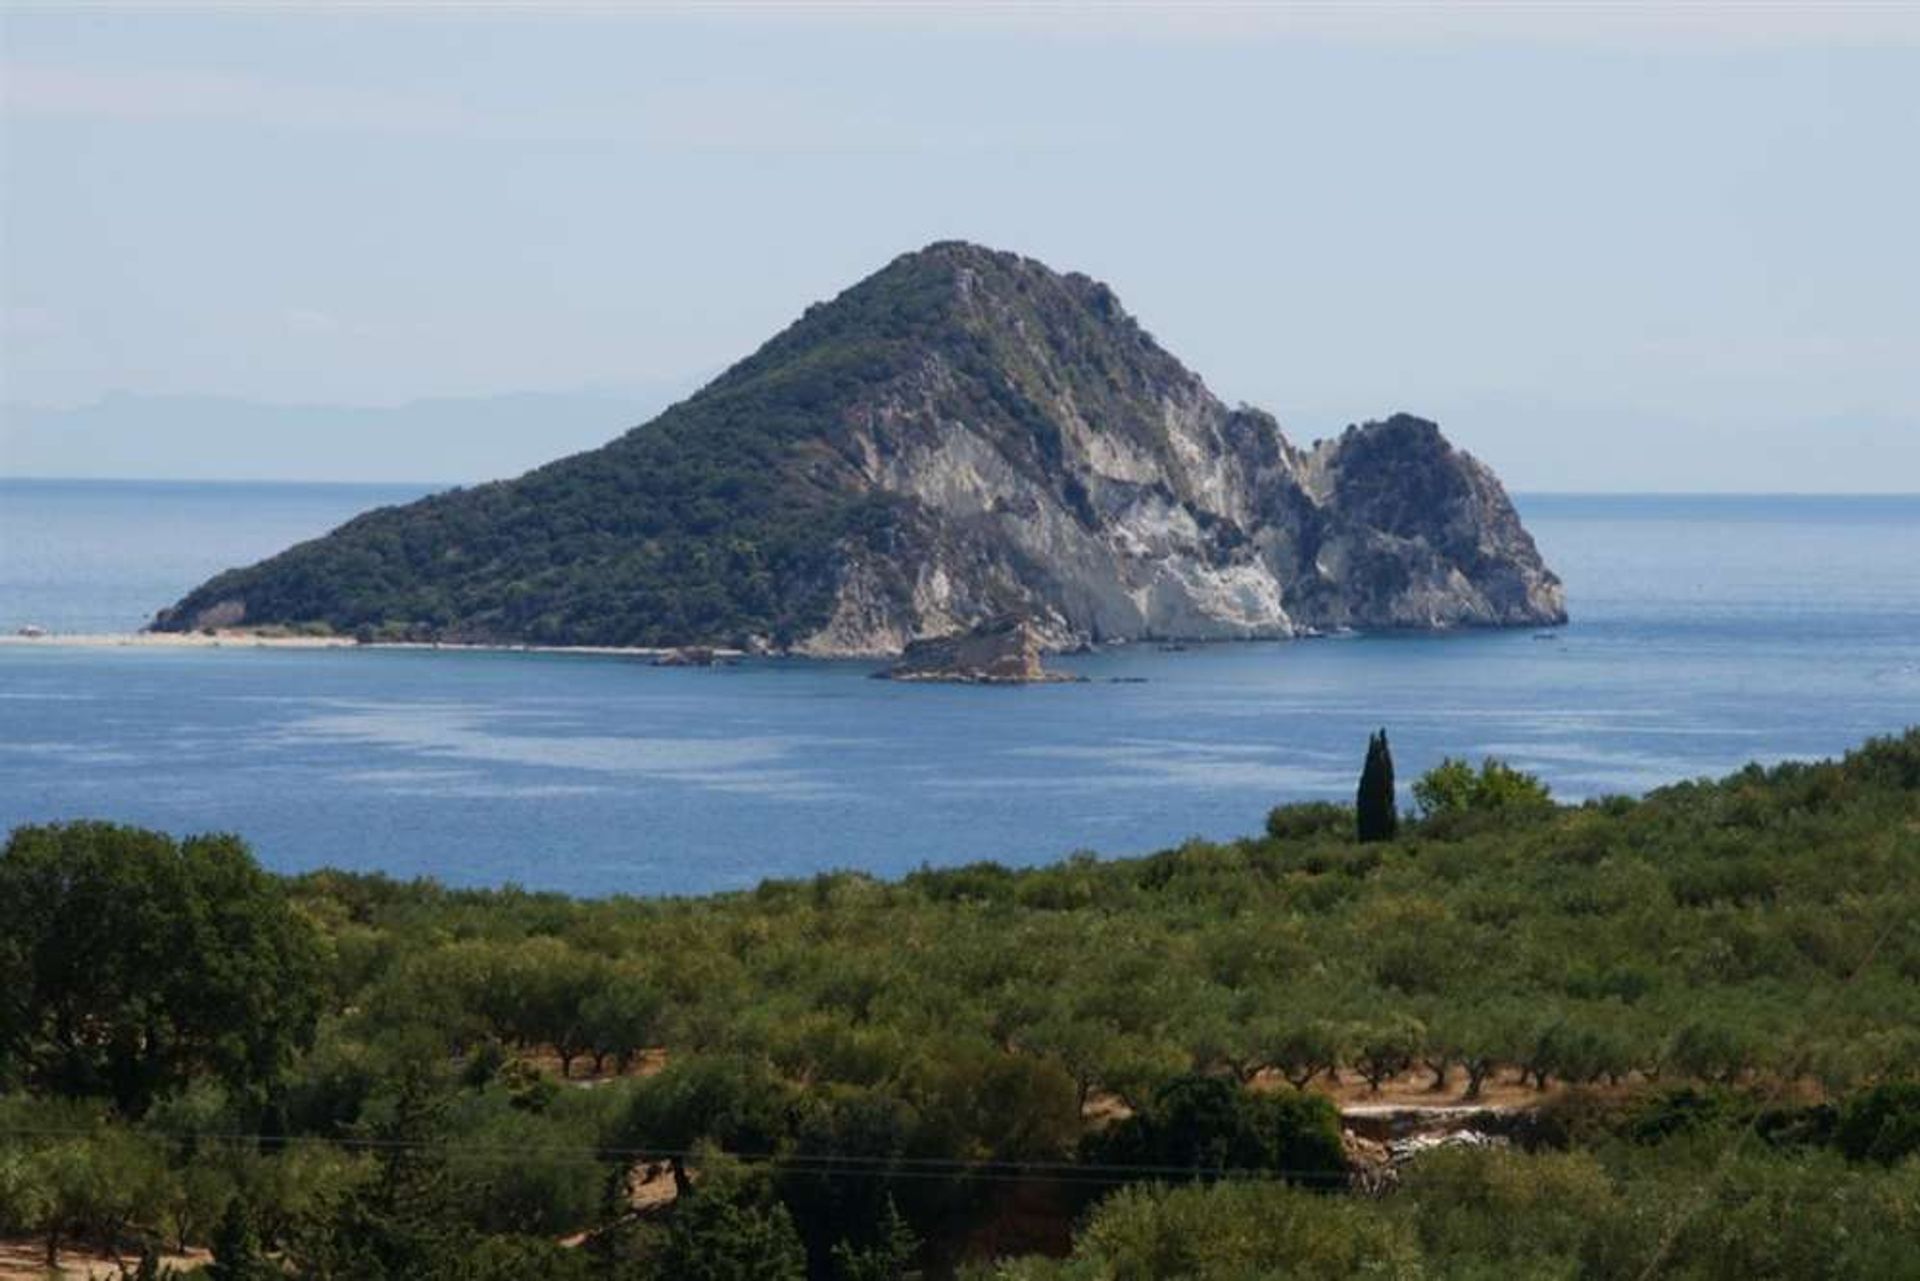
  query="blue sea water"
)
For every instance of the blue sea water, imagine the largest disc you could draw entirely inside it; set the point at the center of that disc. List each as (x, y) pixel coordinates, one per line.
(1707, 632)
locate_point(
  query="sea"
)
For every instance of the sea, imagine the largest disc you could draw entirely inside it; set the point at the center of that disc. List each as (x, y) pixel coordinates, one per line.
(1707, 632)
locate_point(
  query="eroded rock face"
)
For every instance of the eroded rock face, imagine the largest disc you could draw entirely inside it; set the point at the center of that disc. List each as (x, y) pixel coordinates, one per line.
(1133, 504)
(965, 436)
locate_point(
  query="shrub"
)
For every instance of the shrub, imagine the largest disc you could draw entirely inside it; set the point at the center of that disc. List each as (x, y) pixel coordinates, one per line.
(1308, 820)
(1452, 787)
(1882, 1124)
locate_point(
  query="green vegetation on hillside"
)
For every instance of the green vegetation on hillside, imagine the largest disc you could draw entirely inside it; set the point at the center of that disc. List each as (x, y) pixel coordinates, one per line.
(704, 523)
(843, 1077)
(719, 520)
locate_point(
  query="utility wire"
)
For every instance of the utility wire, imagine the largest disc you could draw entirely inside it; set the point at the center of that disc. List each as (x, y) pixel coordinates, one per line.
(825, 1163)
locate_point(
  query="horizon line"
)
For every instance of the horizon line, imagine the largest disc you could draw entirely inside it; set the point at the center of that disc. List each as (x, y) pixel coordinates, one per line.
(443, 485)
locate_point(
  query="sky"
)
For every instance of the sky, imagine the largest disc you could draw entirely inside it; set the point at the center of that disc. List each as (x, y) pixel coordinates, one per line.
(1608, 246)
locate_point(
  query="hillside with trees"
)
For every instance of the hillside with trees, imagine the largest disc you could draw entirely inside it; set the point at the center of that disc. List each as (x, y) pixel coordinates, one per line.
(1700, 1009)
(963, 435)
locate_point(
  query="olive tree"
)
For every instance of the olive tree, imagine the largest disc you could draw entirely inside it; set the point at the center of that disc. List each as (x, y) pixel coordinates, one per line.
(133, 963)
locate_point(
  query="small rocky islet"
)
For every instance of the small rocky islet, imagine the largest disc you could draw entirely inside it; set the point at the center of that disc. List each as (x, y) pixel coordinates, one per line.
(1001, 651)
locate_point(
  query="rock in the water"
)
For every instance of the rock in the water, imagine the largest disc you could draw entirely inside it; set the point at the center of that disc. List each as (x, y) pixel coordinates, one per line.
(964, 435)
(686, 656)
(1001, 651)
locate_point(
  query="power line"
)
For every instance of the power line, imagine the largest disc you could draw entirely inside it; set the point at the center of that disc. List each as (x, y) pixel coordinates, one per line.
(808, 1162)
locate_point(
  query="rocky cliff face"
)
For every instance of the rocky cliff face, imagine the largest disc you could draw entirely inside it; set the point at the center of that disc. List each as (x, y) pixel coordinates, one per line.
(1125, 500)
(965, 435)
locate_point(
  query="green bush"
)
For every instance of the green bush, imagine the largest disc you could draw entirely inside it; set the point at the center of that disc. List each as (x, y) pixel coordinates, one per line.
(1206, 1127)
(132, 962)
(1882, 1124)
(1309, 820)
(1453, 787)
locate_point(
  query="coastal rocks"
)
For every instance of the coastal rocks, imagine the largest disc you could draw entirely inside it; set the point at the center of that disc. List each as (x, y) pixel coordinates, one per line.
(686, 656)
(1001, 651)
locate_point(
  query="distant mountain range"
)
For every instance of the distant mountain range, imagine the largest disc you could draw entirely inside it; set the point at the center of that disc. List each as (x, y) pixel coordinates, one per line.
(452, 439)
(966, 434)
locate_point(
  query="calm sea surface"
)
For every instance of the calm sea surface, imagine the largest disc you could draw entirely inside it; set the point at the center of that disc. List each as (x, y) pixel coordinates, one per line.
(1707, 632)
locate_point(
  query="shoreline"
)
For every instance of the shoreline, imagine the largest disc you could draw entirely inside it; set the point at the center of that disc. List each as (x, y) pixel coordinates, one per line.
(243, 639)
(250, 640)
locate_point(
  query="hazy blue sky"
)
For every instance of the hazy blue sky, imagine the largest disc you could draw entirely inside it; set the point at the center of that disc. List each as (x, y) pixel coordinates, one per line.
(1644, 247)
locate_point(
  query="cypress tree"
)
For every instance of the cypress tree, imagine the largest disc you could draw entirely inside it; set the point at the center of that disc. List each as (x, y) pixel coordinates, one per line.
(1374, 806)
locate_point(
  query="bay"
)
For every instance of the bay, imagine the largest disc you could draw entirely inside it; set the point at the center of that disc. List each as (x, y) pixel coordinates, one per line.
(1707, 632)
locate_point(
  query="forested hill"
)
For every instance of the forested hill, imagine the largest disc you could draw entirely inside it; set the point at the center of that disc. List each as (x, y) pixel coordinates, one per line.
(964, 434)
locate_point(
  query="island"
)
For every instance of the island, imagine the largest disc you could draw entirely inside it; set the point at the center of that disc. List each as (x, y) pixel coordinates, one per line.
(964, 435)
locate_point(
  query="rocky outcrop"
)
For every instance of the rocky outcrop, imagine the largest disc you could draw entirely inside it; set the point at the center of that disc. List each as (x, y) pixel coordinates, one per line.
(686, 656)
(964, 436)
(1001, 651)
(1386, 527)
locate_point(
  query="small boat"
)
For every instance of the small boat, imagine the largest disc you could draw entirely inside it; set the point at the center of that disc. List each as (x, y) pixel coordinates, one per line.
(32, 631)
